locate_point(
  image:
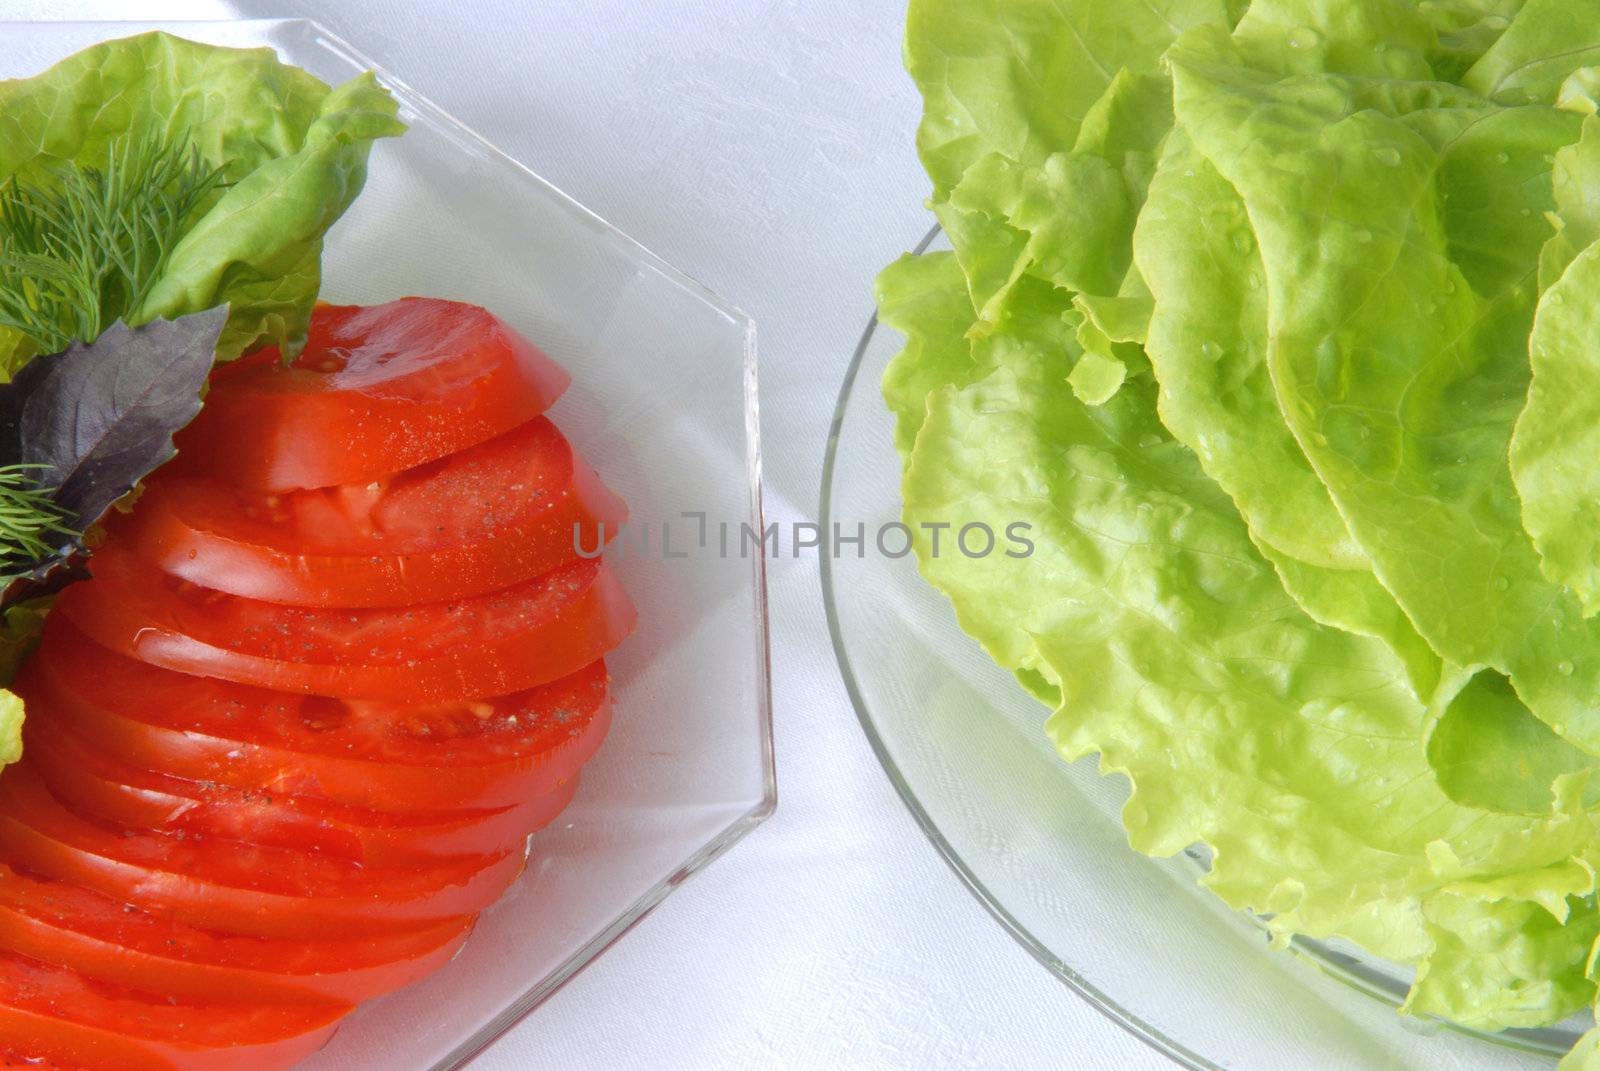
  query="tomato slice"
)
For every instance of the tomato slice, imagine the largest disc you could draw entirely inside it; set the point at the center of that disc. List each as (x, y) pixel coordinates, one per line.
(10, 1061)
(454, 757)
(233, 887)
(52, 1013)
(61, 923)
(495, 515)
(97, 785)
(487, 645)
(378, 389)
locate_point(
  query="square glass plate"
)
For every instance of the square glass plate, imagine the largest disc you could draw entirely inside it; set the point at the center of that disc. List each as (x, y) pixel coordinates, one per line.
(663, 405)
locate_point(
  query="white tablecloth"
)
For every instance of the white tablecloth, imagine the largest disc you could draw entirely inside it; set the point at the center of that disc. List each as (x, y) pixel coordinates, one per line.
(764, 146)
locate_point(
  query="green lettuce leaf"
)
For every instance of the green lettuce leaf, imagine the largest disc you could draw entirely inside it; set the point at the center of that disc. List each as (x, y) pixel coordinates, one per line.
(1398, 353)
(1557, 442)
(914, 298)
(10, 726)
(1066, 220)
(1467, 30)
(1553, 446)
(1207, 344)
(1512, 963)
(1576, 179)
(1096, 378)
(1294, 750)
(1585, 1055)
(1238, 321)
(1124, 319)
(1020, 77)
(293, 151)
(1537, 50)
(1488, 751)
(1039, 130)
(1197, 251)
(19, 635)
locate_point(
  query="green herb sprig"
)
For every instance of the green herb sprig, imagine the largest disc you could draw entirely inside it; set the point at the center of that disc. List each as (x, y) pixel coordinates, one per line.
(83, 250)
(29, 517)
(78, 252)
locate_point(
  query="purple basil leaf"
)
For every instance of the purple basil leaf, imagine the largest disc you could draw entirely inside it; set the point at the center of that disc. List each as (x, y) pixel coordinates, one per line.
(99, 417)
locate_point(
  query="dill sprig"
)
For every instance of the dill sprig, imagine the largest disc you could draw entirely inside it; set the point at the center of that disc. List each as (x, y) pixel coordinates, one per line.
(85, 247)
(79, 249)
(29, 517)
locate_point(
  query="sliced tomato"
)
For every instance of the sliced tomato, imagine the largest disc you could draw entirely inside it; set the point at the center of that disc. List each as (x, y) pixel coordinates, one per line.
(452, 757)
(487, 645)
(10, 1061)
(95, 784)
(493, 516)
(55, 1014)
(234, 887)
(101, 938)
(378, 389)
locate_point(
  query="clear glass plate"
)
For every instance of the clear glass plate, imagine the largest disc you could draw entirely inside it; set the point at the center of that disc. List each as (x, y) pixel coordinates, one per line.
(1040, 843)
(663, 404)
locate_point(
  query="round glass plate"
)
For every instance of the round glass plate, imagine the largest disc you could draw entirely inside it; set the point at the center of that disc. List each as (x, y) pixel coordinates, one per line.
(1040, 843)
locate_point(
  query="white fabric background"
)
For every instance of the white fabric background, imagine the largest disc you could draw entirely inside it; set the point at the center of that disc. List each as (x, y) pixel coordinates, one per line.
(764, 146)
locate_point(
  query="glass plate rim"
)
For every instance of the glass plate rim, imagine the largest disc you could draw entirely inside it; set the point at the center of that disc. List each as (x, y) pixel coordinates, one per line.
(1097, 998)
(519, 1009)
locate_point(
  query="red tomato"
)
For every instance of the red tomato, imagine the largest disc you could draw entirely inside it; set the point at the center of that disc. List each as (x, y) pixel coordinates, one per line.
(60, 923)
(490, 517)
(233, 887)
(95, 784)
(486, 645)
(450, 757)
(378, 389)
(55, 1014)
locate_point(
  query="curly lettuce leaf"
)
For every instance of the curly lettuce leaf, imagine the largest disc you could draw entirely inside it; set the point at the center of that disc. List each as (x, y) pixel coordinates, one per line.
(1096, 378)
(1488, 751)
(1585, 1055)
(1039, 129)
(19, 635)
(1248, 359)
(914, 298)
(1065, 220)
(1208, 345)
(293, 153)
(1503, 964)
(1553, 455)
(10, 726)
(1294, 750)
(1020, 77)
(1554, 444)
(1197, 252)
(1124, 318)
(1398, 351)
(1537, 51)
(1576, 179)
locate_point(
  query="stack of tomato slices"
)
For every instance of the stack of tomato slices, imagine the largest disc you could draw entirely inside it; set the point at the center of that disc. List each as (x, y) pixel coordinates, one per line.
(330, 673)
